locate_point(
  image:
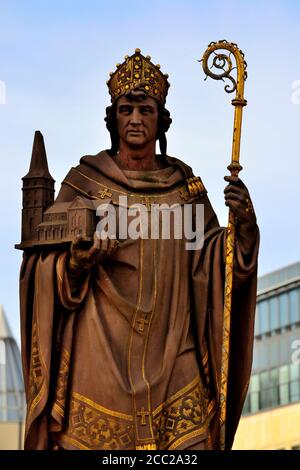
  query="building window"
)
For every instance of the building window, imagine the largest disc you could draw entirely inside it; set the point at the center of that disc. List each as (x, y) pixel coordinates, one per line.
(294, 382)
(274, 317)
(294, 305)
(274, 387)
(269, 394)
(283, 310)
(264, 389)
(264, 316)
(254, 393)
(283, 385)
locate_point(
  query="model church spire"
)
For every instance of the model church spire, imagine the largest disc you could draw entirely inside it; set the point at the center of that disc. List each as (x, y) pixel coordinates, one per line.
(38, 164)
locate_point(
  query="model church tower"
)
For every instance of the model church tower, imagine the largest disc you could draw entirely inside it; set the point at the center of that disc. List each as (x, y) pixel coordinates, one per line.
(38, 191)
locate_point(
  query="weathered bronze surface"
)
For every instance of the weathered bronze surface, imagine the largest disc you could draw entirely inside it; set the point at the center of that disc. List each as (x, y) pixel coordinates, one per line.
(122, 342)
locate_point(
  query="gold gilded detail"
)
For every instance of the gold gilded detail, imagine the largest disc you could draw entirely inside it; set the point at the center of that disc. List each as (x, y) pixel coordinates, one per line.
(223, 68)
(118, 191)
(36, 377)
(184, 194)
(195, 186)
(146, 447)
(62, 383)
(138, 70)
(142, 321)
(184, 416)
(143, 414)
(130, 342)
(104, 193)
(147, 201)
(91, 426)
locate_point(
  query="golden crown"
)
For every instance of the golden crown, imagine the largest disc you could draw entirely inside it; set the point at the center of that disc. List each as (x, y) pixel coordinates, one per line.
(137, 70)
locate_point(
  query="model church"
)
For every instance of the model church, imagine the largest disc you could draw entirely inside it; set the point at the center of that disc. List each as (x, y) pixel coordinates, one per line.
(46, 223)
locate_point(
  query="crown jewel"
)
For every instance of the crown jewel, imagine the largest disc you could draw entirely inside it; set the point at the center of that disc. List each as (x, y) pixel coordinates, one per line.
(137, 70)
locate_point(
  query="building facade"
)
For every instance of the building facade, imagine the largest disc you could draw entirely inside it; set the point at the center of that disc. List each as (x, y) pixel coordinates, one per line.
(271, 414)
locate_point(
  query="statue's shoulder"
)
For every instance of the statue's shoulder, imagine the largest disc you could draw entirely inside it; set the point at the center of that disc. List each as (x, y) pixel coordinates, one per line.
(83, 178)
(194, 183)
(90, 165)
(180, 163)
(96, 162)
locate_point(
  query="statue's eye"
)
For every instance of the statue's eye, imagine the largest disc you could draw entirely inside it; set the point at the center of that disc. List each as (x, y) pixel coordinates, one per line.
(146, 110)
(125, 109)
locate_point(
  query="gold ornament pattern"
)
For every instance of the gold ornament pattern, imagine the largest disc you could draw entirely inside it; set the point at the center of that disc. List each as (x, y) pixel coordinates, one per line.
(62, 383)
(182, 417)
(36, 378)
(93, 427)
(138, 70)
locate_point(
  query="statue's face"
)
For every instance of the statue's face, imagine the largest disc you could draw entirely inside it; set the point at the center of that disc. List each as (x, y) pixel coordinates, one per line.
(137, 121)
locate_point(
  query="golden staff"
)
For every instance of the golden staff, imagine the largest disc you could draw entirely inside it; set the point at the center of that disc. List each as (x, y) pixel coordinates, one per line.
(223, 62)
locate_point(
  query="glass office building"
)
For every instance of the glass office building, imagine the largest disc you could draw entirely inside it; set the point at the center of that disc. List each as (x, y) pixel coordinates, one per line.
(275, 379)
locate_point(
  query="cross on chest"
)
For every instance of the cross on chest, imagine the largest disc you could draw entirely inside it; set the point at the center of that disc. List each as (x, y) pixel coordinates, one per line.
(142, 321)
(104, 193)
(142, 414)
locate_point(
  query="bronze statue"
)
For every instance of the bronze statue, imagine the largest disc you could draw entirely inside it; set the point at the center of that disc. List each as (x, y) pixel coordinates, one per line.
(122, 337)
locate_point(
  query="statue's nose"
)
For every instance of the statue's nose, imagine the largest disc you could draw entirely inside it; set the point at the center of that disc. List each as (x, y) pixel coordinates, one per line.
(136, 117)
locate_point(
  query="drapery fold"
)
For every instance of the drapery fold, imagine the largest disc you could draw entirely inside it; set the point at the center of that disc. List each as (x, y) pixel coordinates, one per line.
(75, 342)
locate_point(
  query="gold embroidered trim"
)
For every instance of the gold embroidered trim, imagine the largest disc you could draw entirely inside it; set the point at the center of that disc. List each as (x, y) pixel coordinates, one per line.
(146, 447)
(156, 195)
(141, 261)
(37, 318)
(62, 383)
(36, 377)
(147, 339)
(91, 426)
(38, 369)
(74, 442)
(68, 183)
(56, 407)
(205, 359)
(191, 435)
(98, 407)
(184, 416)
(176, 395)
(36, 400)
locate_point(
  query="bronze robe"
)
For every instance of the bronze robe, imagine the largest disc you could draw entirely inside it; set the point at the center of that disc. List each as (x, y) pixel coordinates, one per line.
(130, 357)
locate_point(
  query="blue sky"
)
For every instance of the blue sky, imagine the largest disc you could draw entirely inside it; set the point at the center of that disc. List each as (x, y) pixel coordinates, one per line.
(55, 59)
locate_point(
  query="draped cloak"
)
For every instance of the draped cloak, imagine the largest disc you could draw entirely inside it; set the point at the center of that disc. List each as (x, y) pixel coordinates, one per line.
(130, 357)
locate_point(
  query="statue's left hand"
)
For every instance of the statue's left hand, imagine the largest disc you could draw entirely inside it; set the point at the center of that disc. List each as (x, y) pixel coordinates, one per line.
(237, 197)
